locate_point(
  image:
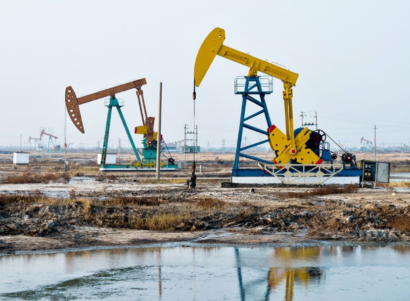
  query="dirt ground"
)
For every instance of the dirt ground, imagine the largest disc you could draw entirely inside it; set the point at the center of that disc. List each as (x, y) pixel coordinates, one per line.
(248, 216)
(93, 209)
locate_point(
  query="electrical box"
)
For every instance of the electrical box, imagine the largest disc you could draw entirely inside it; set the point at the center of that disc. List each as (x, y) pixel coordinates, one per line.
(373, 172)
(109, 159)
(20, 158)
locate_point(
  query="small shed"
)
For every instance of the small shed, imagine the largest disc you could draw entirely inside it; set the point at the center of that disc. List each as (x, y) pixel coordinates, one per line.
(109, 159)
(21, 158)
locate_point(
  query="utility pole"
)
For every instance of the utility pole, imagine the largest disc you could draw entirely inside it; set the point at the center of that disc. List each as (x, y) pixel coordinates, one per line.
(301, 116)
(375, 153)
(223, 145)
(65, 142)
(184, 150)
(159, 134)
(316, 119)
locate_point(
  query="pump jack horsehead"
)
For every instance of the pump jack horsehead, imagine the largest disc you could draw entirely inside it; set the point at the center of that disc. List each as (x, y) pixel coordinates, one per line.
(286, 146)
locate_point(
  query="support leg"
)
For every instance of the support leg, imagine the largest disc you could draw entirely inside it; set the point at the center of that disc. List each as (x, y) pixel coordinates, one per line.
(128, 134)
(265, 108)
(106, 136)
(239, 142)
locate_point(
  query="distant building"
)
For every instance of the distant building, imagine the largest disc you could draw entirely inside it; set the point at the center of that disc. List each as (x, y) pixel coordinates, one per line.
(188, 149)
(4, 152)
(21, 158)
(172, 148)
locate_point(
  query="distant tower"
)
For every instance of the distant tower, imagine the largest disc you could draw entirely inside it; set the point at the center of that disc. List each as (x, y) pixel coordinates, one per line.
(223, 145)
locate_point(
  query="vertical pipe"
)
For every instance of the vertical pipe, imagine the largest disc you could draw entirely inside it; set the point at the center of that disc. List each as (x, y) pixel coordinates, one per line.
(159, 133)
(65, 141)
(287, 119)
(291, 129)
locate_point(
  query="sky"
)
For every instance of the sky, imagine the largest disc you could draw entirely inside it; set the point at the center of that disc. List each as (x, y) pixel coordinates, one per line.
(352, 58)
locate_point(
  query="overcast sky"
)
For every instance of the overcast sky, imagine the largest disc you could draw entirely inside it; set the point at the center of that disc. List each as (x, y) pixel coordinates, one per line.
(352, 58)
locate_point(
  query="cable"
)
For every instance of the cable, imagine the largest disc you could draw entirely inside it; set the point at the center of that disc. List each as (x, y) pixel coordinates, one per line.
(335, 142)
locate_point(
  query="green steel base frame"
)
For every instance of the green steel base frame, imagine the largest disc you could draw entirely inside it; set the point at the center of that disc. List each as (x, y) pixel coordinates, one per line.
(114, 103)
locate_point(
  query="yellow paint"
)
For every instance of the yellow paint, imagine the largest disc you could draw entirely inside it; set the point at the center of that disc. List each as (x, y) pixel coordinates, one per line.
(142, 130)
(282, 146)
(213, 45)
(288, 274)
(146, 164)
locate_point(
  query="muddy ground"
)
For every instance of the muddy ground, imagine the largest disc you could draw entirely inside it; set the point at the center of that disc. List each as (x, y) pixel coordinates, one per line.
(42, 207)
(112, 210)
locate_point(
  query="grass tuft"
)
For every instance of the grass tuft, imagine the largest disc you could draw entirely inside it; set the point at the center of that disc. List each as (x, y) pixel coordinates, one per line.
(102, 177)
(132, 201)
(401, 223)
(31, 178)
(209, 203)
(162, 222)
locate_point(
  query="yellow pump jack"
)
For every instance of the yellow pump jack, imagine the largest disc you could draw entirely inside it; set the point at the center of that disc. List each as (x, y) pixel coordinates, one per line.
(287, 147)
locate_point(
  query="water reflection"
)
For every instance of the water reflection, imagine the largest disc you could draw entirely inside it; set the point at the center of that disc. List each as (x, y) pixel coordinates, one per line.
(302, 275)
(285, 275)
(197, 273)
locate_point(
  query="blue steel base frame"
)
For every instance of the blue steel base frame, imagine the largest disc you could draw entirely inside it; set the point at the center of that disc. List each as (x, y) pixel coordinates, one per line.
(353, 172)
(251, 89)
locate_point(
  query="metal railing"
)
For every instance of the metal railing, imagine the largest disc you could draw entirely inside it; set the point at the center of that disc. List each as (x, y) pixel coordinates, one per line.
(297, 174)
(266, 84)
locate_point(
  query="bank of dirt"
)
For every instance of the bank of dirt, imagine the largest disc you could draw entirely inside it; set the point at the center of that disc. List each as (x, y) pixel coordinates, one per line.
(209, 214)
